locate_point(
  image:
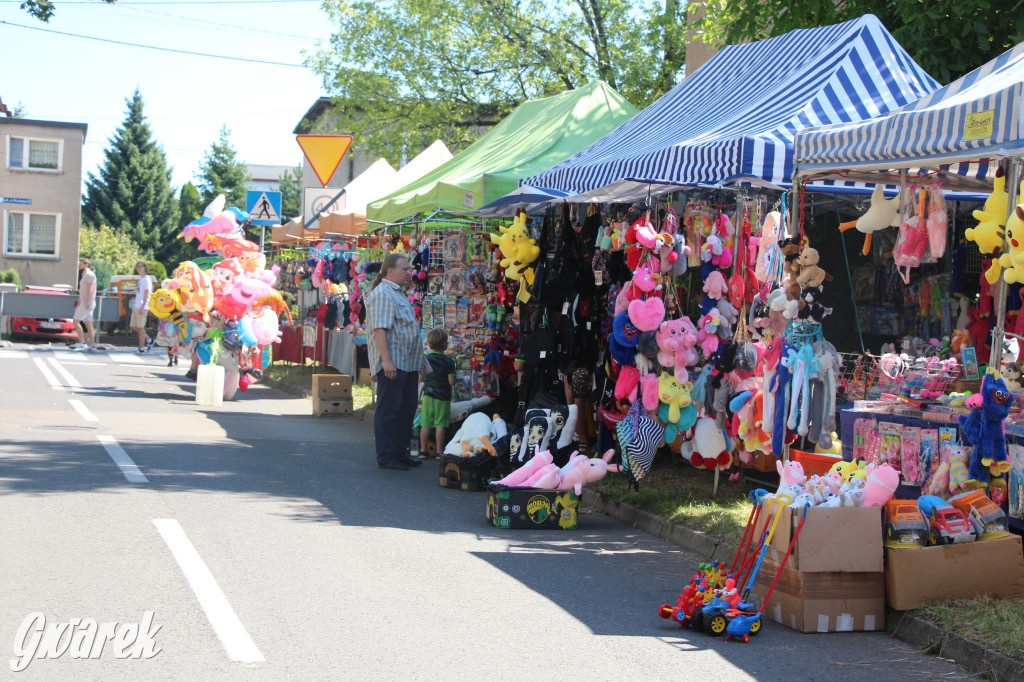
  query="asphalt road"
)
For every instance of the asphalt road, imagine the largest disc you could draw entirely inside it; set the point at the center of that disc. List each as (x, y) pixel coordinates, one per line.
(268, 545)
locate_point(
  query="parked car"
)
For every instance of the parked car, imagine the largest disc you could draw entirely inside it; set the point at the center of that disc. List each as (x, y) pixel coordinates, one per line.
(59, 328)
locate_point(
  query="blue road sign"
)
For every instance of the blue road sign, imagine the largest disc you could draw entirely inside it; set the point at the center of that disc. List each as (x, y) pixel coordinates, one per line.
(264, 208)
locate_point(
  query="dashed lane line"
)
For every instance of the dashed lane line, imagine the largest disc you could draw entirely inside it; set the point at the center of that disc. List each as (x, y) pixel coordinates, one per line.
(127, 465)
(50, 377)
(84, 411)
(222, 617)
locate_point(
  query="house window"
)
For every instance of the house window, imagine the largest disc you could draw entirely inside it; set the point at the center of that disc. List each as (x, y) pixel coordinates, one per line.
(31, 234)
(32, 154)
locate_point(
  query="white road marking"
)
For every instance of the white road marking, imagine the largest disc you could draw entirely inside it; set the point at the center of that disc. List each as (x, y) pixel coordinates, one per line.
(68, 379)
(81, 409)
(222, 617)
(65, 356)
(51, 378)
(128, 467)
(81, 362)
(134, 359)
(13, 354)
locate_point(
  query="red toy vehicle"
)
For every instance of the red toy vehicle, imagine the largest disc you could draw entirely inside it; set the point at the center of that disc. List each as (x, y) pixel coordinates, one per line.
(61, 328)
(949, 526)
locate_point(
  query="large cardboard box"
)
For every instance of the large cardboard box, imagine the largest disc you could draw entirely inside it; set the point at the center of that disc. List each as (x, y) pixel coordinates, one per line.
(992, 567)
(847, 539)
(332, 386)
(532, 509)
(824, 602)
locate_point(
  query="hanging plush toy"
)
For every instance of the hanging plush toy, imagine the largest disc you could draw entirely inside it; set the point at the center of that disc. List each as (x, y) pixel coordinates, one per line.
(882, 213)
(518, 253)
(1013, 259)
(810, 274)
(983, 428)
(988, 234)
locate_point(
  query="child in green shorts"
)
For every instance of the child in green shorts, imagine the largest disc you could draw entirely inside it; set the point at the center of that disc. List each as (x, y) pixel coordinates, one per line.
(435, 410)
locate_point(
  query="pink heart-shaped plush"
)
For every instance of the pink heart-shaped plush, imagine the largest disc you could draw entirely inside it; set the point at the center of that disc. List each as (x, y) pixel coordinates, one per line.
(647, 315)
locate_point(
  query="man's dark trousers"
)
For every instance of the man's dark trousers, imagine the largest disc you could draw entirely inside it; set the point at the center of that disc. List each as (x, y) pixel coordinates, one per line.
(392, 420)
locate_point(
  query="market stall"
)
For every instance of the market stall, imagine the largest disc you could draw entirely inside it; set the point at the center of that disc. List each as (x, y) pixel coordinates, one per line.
(945, 446)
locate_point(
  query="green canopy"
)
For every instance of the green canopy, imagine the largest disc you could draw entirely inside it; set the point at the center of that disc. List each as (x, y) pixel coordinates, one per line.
(535, 136)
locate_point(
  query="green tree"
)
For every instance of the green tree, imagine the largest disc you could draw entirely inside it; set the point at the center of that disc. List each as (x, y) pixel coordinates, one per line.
(133, 193)
(947, 38)
(113, 246)
(289, 184)
(43, 9)
(220, 172)
(407, 72)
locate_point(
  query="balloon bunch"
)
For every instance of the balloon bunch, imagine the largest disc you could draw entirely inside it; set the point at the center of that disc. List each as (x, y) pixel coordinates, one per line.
(228, 312)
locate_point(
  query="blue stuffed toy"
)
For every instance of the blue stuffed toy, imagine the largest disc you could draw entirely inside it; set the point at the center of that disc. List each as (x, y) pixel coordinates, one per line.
(983, 428)
(623, 340)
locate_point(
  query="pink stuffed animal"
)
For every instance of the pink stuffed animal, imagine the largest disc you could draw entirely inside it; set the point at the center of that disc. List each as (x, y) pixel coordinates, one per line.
(643, 279)
(790, 474)
(647, 315)
(649, 391)
(715, 285)
(528, 470)
(626, 384)
(880, 486)
(676, 341)
(707, 337)
(587, 470)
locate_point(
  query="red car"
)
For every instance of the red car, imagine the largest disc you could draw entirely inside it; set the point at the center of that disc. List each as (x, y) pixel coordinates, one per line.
(60, 328)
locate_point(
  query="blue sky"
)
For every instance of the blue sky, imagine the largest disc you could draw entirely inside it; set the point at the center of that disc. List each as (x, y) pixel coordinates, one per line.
(187, 98)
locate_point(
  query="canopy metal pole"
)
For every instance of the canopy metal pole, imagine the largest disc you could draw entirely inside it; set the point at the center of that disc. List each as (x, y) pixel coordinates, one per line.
(996, 356)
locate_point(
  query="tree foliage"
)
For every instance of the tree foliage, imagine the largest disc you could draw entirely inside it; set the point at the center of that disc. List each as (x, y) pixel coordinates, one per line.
(948, 38)
(290, 185)
(133, 193)
(43, 9)
(407, 72)
(220, 172)
(113, 246)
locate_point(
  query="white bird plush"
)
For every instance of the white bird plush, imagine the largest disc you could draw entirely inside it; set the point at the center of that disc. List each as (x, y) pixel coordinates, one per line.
(882, 213)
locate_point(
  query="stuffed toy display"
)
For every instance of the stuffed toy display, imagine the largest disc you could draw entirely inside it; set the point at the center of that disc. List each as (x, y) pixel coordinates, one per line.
(882, 213)
(989, 234)
(540, 472)
(983, 428)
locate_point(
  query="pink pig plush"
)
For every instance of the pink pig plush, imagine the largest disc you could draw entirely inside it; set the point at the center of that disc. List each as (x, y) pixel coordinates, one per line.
(577, 473)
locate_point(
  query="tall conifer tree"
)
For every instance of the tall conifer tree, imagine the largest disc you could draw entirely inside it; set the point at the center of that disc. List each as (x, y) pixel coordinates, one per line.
(220, 172)
(133, 192)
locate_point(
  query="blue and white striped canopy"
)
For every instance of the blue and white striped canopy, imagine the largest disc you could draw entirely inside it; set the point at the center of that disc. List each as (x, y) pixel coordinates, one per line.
(733, 120)
(962, 126)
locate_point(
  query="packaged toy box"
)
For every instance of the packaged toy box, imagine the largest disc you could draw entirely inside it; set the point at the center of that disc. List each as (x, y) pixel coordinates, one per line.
(531, 508)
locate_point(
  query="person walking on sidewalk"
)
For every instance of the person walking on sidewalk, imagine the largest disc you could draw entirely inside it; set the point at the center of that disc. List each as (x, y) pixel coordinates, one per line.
(396, 360)
(85, 306)
(140, 306)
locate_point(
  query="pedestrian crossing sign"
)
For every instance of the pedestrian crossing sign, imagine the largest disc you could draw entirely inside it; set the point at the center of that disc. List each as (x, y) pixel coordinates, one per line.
(264, 208)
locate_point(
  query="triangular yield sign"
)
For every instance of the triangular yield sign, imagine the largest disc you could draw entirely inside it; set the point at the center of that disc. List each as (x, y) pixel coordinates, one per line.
(324, 153)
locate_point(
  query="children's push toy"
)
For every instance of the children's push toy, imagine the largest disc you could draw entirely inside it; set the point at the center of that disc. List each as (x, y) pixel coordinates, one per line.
(712, 602)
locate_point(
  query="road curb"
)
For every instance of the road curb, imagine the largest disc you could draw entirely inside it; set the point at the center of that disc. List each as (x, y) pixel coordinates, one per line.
(900, 624)
(285, 387)
(973, 656)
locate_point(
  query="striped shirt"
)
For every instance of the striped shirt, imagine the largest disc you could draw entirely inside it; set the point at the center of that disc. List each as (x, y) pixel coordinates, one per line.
(388, 308)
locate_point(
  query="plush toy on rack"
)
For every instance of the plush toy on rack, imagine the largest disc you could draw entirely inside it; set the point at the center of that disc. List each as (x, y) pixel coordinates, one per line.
(989, 234)
(1013, 260)
(811, 275)
(881, 214)
(518, 253)
(983, 428)
(710, 448)
(677, 341)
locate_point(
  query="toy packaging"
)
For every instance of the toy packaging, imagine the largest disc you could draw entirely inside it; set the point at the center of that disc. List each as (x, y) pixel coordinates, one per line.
(532, 509)
(969, 359)
(892, 451)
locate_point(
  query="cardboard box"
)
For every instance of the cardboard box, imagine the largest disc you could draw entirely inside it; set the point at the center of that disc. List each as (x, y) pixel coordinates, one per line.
(332, 386)
(364, 377)
(331, 406)
(824, 602)
(833, 539)
(993, 567)
(463, 474)
(531, 508)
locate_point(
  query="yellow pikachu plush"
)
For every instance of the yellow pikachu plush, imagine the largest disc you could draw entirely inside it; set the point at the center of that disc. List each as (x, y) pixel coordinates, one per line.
(989, 234)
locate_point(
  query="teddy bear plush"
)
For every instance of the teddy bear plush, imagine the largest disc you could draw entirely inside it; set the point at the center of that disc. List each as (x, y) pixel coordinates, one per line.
(810, 274)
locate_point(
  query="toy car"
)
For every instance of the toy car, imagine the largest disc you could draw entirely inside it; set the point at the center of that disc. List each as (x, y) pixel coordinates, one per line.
(949, 526)
(743, 626)
(987, 519)
(905, 525)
